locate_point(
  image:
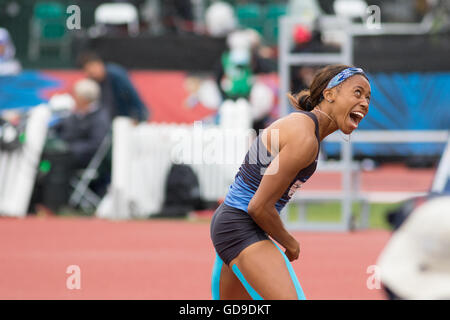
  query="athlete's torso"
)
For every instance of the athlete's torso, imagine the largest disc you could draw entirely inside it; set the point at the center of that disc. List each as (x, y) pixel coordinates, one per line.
(249, 176)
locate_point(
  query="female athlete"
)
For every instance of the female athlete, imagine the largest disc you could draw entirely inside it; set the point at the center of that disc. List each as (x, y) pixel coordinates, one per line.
(249, 265)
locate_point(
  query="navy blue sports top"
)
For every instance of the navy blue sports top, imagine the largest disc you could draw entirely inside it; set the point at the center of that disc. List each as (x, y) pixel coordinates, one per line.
(249, 176)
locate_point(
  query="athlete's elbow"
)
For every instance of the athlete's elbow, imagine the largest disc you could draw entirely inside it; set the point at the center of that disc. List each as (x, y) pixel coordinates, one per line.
(255, 209)
(252, 209)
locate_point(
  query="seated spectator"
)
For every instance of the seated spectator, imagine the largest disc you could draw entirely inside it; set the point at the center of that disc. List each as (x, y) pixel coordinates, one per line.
(310, 40)
(8, 64)
(71, 145)
(118, 94)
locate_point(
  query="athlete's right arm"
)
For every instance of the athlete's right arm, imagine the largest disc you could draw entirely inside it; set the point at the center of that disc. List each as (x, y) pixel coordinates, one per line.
(299, 151)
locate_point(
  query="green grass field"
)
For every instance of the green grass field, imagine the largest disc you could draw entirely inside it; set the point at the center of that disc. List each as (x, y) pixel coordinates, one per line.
(322, 212)
(330, 212)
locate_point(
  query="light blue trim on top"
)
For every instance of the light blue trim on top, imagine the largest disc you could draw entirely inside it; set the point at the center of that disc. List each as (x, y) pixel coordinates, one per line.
(298, 288)
(252, 292)
(238, 195)
(215, 278)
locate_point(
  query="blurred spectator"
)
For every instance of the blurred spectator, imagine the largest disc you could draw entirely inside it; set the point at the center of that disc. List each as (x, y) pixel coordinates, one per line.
(302, 77)
(326, 6)
(354, 10)
(237, 66)
(71, 144)
(8, 64)
(220, 19)
(415, 264)
(307, 10)
(438, 12)
(118, 94)
(399, 11)
(177, 15)
(413, 11)
(236, 72)
(307, 40)
(151, 14)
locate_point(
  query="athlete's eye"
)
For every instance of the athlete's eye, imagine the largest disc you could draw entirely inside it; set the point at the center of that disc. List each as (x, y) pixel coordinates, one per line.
(368, 99)
(358, 93)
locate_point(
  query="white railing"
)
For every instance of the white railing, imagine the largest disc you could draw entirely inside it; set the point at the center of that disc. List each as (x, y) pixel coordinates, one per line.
(18, 168)
(143, 155)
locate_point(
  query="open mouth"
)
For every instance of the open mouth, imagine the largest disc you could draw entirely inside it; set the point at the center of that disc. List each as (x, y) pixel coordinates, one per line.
(356, 117)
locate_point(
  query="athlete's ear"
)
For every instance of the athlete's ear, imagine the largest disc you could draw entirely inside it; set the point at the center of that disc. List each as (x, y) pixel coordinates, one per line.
(329, 95)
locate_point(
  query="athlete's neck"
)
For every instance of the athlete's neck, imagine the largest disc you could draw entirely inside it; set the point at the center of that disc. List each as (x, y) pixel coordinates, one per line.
(327, 125)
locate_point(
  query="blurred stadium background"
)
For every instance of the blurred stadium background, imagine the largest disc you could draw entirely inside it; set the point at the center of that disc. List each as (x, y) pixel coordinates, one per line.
(140, 237)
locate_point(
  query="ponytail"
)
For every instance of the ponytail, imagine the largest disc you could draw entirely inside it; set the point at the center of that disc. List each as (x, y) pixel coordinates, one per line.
(301, 100)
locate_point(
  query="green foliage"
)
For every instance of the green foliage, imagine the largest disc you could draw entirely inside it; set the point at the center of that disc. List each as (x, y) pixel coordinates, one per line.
(331, 212)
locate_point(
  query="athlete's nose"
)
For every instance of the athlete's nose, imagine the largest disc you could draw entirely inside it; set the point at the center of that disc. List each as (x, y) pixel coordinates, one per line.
(365, 105)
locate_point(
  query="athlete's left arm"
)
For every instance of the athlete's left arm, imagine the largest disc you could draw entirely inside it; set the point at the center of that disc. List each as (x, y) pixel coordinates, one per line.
(296, 154)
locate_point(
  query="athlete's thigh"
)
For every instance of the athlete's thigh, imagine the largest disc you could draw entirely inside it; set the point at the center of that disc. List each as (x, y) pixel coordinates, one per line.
(265, 269)
(230, 286)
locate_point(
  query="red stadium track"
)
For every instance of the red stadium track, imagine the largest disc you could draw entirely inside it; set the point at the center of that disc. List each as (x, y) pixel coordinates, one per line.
(160, 259)
(387, 178)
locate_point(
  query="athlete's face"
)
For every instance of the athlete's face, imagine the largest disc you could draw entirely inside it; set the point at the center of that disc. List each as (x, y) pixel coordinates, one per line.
(350, 102)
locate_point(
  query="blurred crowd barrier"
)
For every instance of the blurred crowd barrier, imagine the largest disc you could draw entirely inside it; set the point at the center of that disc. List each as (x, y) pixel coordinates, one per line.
(18, 167)
(143, 155)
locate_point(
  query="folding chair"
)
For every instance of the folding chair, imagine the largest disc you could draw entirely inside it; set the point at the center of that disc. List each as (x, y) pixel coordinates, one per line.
(117, 14)
(250, 16)
(350, 8)
(82, 195)
(48, 29)
(270, 28)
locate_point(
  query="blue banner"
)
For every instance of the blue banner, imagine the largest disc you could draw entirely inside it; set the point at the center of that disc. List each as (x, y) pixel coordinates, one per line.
(405, 101)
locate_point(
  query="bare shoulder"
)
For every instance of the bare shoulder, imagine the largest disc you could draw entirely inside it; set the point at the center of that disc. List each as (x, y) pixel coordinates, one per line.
(294, 123)
(297, 133)
(303, 121)
(300, 129)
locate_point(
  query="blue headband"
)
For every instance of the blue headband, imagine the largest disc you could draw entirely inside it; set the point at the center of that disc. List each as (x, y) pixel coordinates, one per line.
(344, 75)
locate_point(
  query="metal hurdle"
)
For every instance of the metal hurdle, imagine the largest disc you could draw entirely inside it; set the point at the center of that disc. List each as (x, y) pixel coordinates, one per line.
(350, 169)
(442, 179)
